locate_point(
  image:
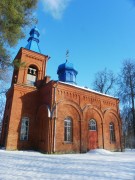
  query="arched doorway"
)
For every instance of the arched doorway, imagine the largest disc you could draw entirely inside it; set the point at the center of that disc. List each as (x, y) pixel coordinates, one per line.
(93, 135)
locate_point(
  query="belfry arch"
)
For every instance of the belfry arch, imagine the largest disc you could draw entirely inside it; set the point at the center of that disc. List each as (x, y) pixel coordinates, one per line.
(32, 75)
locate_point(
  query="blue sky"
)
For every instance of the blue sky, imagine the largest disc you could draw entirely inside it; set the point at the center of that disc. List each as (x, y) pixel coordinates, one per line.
(97, 33)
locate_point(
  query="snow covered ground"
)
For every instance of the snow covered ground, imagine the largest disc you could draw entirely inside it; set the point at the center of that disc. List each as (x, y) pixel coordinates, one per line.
(94, 165)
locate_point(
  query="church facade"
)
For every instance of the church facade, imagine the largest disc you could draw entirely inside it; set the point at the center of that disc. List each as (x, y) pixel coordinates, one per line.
(56, 116)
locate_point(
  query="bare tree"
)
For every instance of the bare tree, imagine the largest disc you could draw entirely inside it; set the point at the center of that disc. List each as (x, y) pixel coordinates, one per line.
(4, 85)
(104, 81)
(2, 106)
(127, 127)
(0, 128)
(126, 88)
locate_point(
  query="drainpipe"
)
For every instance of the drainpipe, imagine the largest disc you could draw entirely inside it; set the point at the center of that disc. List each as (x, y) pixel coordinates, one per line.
(54, 140)
(120, 137)
(50, 128)
(80, 136)
(120, 126)
(55, 104)
(102, 135)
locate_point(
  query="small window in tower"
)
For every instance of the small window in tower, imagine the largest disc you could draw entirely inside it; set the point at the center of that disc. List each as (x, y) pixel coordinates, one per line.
(32, 75)
(69, 76)
(24, 129)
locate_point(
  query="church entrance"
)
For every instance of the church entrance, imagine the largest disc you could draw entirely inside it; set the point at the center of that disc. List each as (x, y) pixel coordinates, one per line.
(93, 135)
(93, 140)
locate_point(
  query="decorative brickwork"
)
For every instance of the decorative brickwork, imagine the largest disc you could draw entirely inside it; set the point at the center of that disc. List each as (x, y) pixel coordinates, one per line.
(46, 104)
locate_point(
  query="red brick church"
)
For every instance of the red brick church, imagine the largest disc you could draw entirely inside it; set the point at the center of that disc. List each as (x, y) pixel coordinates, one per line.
(56, 116)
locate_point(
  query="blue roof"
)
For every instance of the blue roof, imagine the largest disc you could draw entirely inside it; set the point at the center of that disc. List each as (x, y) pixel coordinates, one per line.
(33, 41)
(66, 66)
(67, 73)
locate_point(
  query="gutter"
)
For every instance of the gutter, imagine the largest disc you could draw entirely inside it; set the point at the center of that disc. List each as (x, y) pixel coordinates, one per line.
(55, 104)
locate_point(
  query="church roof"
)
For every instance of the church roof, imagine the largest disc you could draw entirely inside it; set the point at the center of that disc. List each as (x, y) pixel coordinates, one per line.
(87, 89)
(33, 41)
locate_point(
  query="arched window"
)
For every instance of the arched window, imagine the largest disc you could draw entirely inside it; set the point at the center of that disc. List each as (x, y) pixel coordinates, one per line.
(68, 130)
(24, 128)
(32, 75)
(92, 125)
(112, 133)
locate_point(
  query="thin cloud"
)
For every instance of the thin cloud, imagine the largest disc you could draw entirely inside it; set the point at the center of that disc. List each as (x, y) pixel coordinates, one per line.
(55, 7)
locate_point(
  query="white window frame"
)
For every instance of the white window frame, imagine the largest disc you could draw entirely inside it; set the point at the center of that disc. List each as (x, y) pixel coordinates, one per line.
(24, 131)
(112, 133)
(68, 126)
(92, 125)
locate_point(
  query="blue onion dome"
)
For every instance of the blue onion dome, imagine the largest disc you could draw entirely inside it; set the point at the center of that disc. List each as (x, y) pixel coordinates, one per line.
(65, 66)
(67, 73)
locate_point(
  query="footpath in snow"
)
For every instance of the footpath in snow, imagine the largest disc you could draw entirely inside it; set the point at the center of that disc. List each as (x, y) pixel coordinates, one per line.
(95, 165)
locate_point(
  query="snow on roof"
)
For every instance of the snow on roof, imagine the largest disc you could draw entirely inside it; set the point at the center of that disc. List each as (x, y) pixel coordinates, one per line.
(87, 89)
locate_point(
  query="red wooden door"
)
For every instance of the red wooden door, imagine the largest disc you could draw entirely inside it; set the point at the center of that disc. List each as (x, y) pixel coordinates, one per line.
(93, 140)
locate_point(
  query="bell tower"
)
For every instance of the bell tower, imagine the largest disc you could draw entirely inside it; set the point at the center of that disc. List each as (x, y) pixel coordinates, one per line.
(22, 97)
(31, 64)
